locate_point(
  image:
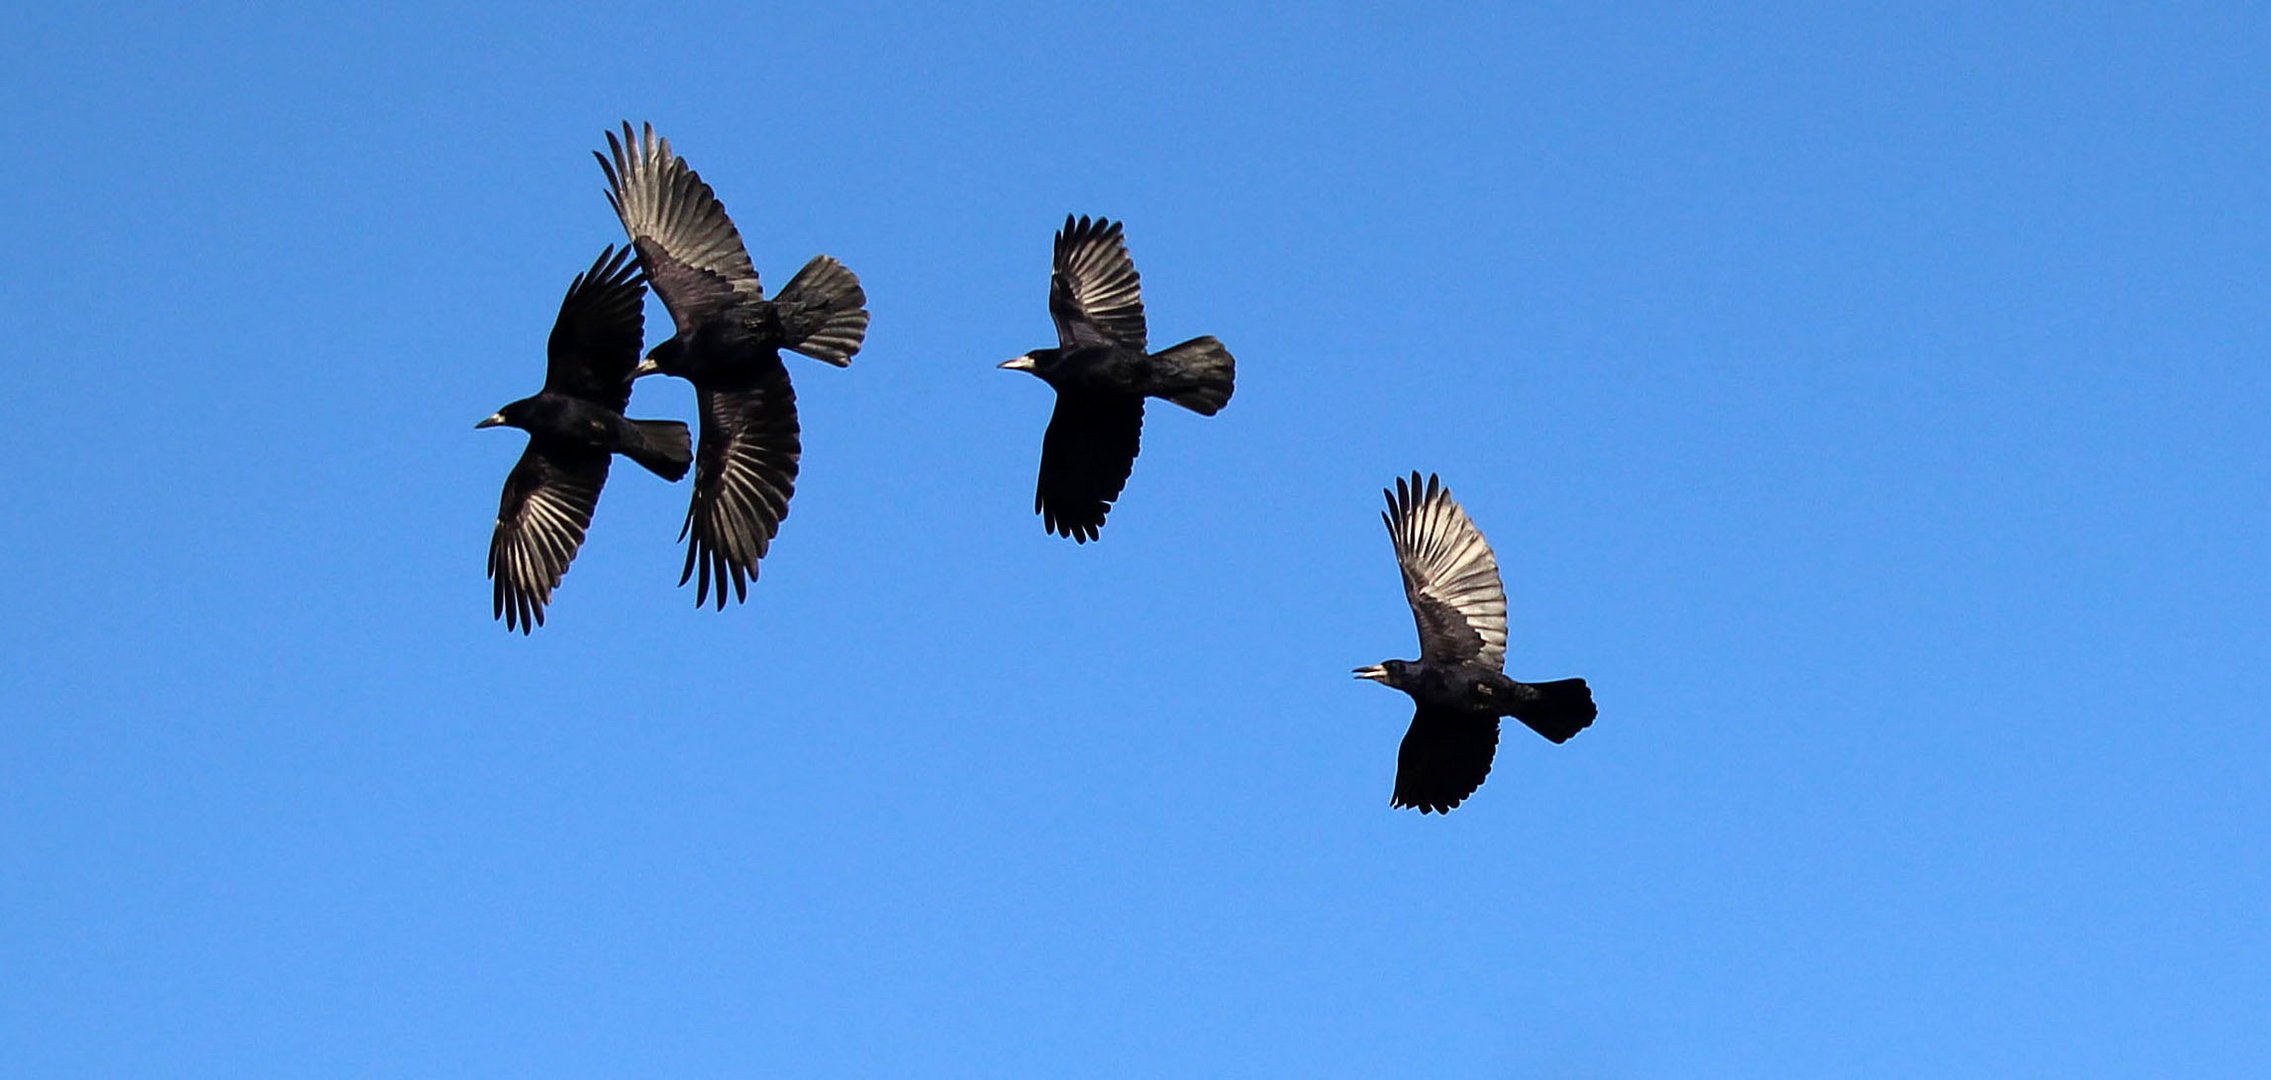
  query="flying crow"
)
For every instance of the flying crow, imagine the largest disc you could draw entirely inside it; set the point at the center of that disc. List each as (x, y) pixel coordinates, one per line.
(1101, 373)
(574, 427)
(1459, 682)
(728, 344)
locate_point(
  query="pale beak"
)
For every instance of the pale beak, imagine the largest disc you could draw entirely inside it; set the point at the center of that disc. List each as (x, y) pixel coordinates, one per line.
(494, 420)
(1374, 672)
(1022, 363)
(646, 367)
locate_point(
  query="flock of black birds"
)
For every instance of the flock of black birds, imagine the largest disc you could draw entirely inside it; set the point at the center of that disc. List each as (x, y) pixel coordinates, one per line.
(728, 340)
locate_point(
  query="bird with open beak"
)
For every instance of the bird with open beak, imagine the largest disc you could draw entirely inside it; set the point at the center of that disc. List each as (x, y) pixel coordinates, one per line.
(1459, 683)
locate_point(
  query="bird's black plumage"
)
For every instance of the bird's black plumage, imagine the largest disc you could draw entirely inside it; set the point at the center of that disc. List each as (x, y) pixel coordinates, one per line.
(575, 426)
(1102, 373)
(1459, 683)
(727, 343)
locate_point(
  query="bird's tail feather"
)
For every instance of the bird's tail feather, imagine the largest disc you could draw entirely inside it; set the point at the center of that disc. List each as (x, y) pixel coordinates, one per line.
(824, 311)
(1559, 710)
(1198, 375)
(665, 447)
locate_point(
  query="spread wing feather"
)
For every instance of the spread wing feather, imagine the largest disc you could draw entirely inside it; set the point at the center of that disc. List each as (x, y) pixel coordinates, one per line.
(595, 341)
(744, 472)
(541, 521)
(692, 253)
(1086, 456)
(1094, 293)
(1450, 575)
(1443, 759)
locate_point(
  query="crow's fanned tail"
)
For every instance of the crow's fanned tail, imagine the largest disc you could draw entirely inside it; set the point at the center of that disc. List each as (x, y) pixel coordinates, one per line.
(1198, 374)
(823, 312)
(1557, 710)
(664, 447)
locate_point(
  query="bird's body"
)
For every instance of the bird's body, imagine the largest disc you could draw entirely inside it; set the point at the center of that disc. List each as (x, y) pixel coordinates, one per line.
(1460, 688)
(727, 343)
(575, 427)
(564, 423)
(1102, 371)
(1459, 684)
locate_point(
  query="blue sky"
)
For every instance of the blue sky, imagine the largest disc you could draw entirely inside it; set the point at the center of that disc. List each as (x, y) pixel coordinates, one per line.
(1869, 402)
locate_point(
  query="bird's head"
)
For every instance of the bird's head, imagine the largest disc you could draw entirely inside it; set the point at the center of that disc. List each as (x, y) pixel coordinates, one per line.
(664, 358)
(513, 415)
(1037, 363)
(1387, 673)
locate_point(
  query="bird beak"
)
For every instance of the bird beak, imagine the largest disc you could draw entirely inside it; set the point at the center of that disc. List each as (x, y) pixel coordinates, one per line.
(494, 420)
(646, 367)
(1022, 363)
(1374, 672)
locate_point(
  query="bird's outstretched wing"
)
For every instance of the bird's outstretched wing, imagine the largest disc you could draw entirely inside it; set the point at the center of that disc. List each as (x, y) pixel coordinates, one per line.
(595, 341)
(1094, 294)
(1444, 758)
(692, 253)
(744, 473)
(547, 506)
(1450, 575)
(1086, 456)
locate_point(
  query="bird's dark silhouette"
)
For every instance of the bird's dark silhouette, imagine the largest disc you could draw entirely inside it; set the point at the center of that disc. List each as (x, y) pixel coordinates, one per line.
(1459, 682)
(1102, 374)
(575, 426)
(728, 343)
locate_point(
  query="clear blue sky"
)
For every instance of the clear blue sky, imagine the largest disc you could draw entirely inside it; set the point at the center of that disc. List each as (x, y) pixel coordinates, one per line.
(1871, 404)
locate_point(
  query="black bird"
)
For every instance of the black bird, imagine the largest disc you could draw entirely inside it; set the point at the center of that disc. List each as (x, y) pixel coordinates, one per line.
(574, 427)
(728, 345)
(1102, 374)
(1459, 681)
